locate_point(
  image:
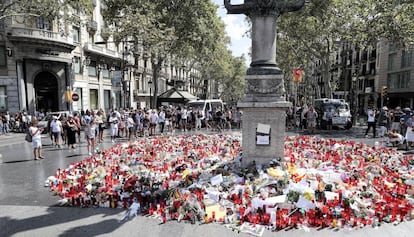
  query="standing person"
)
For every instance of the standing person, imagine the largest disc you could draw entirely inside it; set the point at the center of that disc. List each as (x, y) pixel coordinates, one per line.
(113, 120)
(6, 122)
(329, 115)
(395, 118)
(36, 133)
(237, 118)
(311, 117)
(71, 131)
(121, 126)
(56, 131)
(228, 118)
(138, 123)
(371, 122)
(153, 122)
(161, 120)
(303, 120)
(409, 135)
(169, 125)
(184, 115)
(90, 135)
(78, 124)
(198, 117)
(383, 120)
(63, 120)
(99, 120)
(130, 124)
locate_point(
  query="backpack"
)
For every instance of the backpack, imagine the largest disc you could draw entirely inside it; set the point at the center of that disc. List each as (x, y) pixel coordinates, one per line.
(28, 137)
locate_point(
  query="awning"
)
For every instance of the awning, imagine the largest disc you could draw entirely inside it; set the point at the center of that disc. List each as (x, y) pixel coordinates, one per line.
(175, 96)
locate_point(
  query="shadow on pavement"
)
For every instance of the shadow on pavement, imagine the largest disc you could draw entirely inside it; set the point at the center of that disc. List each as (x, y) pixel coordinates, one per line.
(69, 217)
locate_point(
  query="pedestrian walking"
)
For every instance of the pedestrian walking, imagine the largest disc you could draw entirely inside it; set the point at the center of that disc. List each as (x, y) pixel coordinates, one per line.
(36, 134)
(371, 113)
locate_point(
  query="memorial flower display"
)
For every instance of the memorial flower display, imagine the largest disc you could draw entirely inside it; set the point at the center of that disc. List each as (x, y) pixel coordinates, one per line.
(319, 183)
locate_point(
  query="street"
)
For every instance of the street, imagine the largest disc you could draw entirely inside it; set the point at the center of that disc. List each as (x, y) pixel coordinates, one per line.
(27, 208)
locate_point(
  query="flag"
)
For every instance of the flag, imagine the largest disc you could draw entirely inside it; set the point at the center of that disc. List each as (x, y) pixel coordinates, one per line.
(297, 75)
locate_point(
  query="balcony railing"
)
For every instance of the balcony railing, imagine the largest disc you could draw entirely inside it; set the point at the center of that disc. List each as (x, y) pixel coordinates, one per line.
(33, 34)
(102, 51)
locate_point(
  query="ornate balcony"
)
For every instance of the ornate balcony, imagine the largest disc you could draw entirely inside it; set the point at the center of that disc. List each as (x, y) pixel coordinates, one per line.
(39, 37)
(97, 49)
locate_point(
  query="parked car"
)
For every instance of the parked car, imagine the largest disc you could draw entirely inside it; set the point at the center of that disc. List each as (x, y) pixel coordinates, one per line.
(44, 123)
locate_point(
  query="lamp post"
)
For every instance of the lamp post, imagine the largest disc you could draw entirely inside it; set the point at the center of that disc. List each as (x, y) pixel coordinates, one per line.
(150, 91)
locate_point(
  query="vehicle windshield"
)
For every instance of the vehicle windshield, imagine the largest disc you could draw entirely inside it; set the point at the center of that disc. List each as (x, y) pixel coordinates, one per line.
(216, 105)
(196, 105)
(336, 107)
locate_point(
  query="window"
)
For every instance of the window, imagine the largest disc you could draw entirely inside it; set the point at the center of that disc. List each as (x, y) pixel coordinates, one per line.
(76, 34)
(93, 98)
(107, 99)
(392, 61)
(3, 60)
(398, 80)
(105, 73)
(406, 57)
(43, 23)
(3, 97)
(92, 69)
(77, 65)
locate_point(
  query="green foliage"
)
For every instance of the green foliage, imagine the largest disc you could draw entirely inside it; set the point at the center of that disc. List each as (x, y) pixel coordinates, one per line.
(190, 31)
(49, 9)
(310, 34)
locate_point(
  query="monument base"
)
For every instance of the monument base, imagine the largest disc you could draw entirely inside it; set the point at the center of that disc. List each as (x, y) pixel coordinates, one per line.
(263, 136)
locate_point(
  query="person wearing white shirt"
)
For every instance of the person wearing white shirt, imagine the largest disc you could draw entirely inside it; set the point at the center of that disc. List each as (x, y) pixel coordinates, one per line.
(56, 130)
(153, 122)
(36, 134)
(371, 122)
(184, 115)
(113, 120)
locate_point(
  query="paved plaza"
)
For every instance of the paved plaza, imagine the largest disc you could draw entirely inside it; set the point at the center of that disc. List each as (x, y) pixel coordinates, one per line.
(27, 208)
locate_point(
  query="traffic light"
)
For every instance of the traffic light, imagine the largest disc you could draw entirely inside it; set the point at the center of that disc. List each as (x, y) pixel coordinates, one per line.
(384, 91)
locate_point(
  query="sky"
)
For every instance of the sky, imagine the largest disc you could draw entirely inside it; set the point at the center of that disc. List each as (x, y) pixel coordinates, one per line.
(236, 27)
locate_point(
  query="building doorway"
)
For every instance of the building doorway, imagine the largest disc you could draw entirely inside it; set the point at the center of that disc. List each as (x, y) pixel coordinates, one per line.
(46, 92)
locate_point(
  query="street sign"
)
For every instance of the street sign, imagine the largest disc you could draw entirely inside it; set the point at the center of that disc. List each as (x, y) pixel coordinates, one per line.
(75, 97)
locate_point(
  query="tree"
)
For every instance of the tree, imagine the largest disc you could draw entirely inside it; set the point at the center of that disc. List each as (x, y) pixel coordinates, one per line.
(183, 30)
(50, 9)
(312, 32)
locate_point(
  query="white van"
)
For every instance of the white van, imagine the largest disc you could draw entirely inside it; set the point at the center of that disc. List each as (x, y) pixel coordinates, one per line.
(205, 105)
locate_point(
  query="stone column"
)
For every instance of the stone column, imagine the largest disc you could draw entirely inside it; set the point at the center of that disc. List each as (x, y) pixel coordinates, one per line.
(264, 104)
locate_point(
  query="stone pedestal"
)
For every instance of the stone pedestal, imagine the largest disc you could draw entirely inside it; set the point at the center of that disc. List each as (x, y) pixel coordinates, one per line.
(264, 103)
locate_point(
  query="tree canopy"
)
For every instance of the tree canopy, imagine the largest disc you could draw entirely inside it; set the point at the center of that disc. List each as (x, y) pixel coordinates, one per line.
(188, 31)
(309, 35)
(49, 9)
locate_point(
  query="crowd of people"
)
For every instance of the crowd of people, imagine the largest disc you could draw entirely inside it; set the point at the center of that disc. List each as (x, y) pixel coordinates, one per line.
(125, 124)
(395, 124)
